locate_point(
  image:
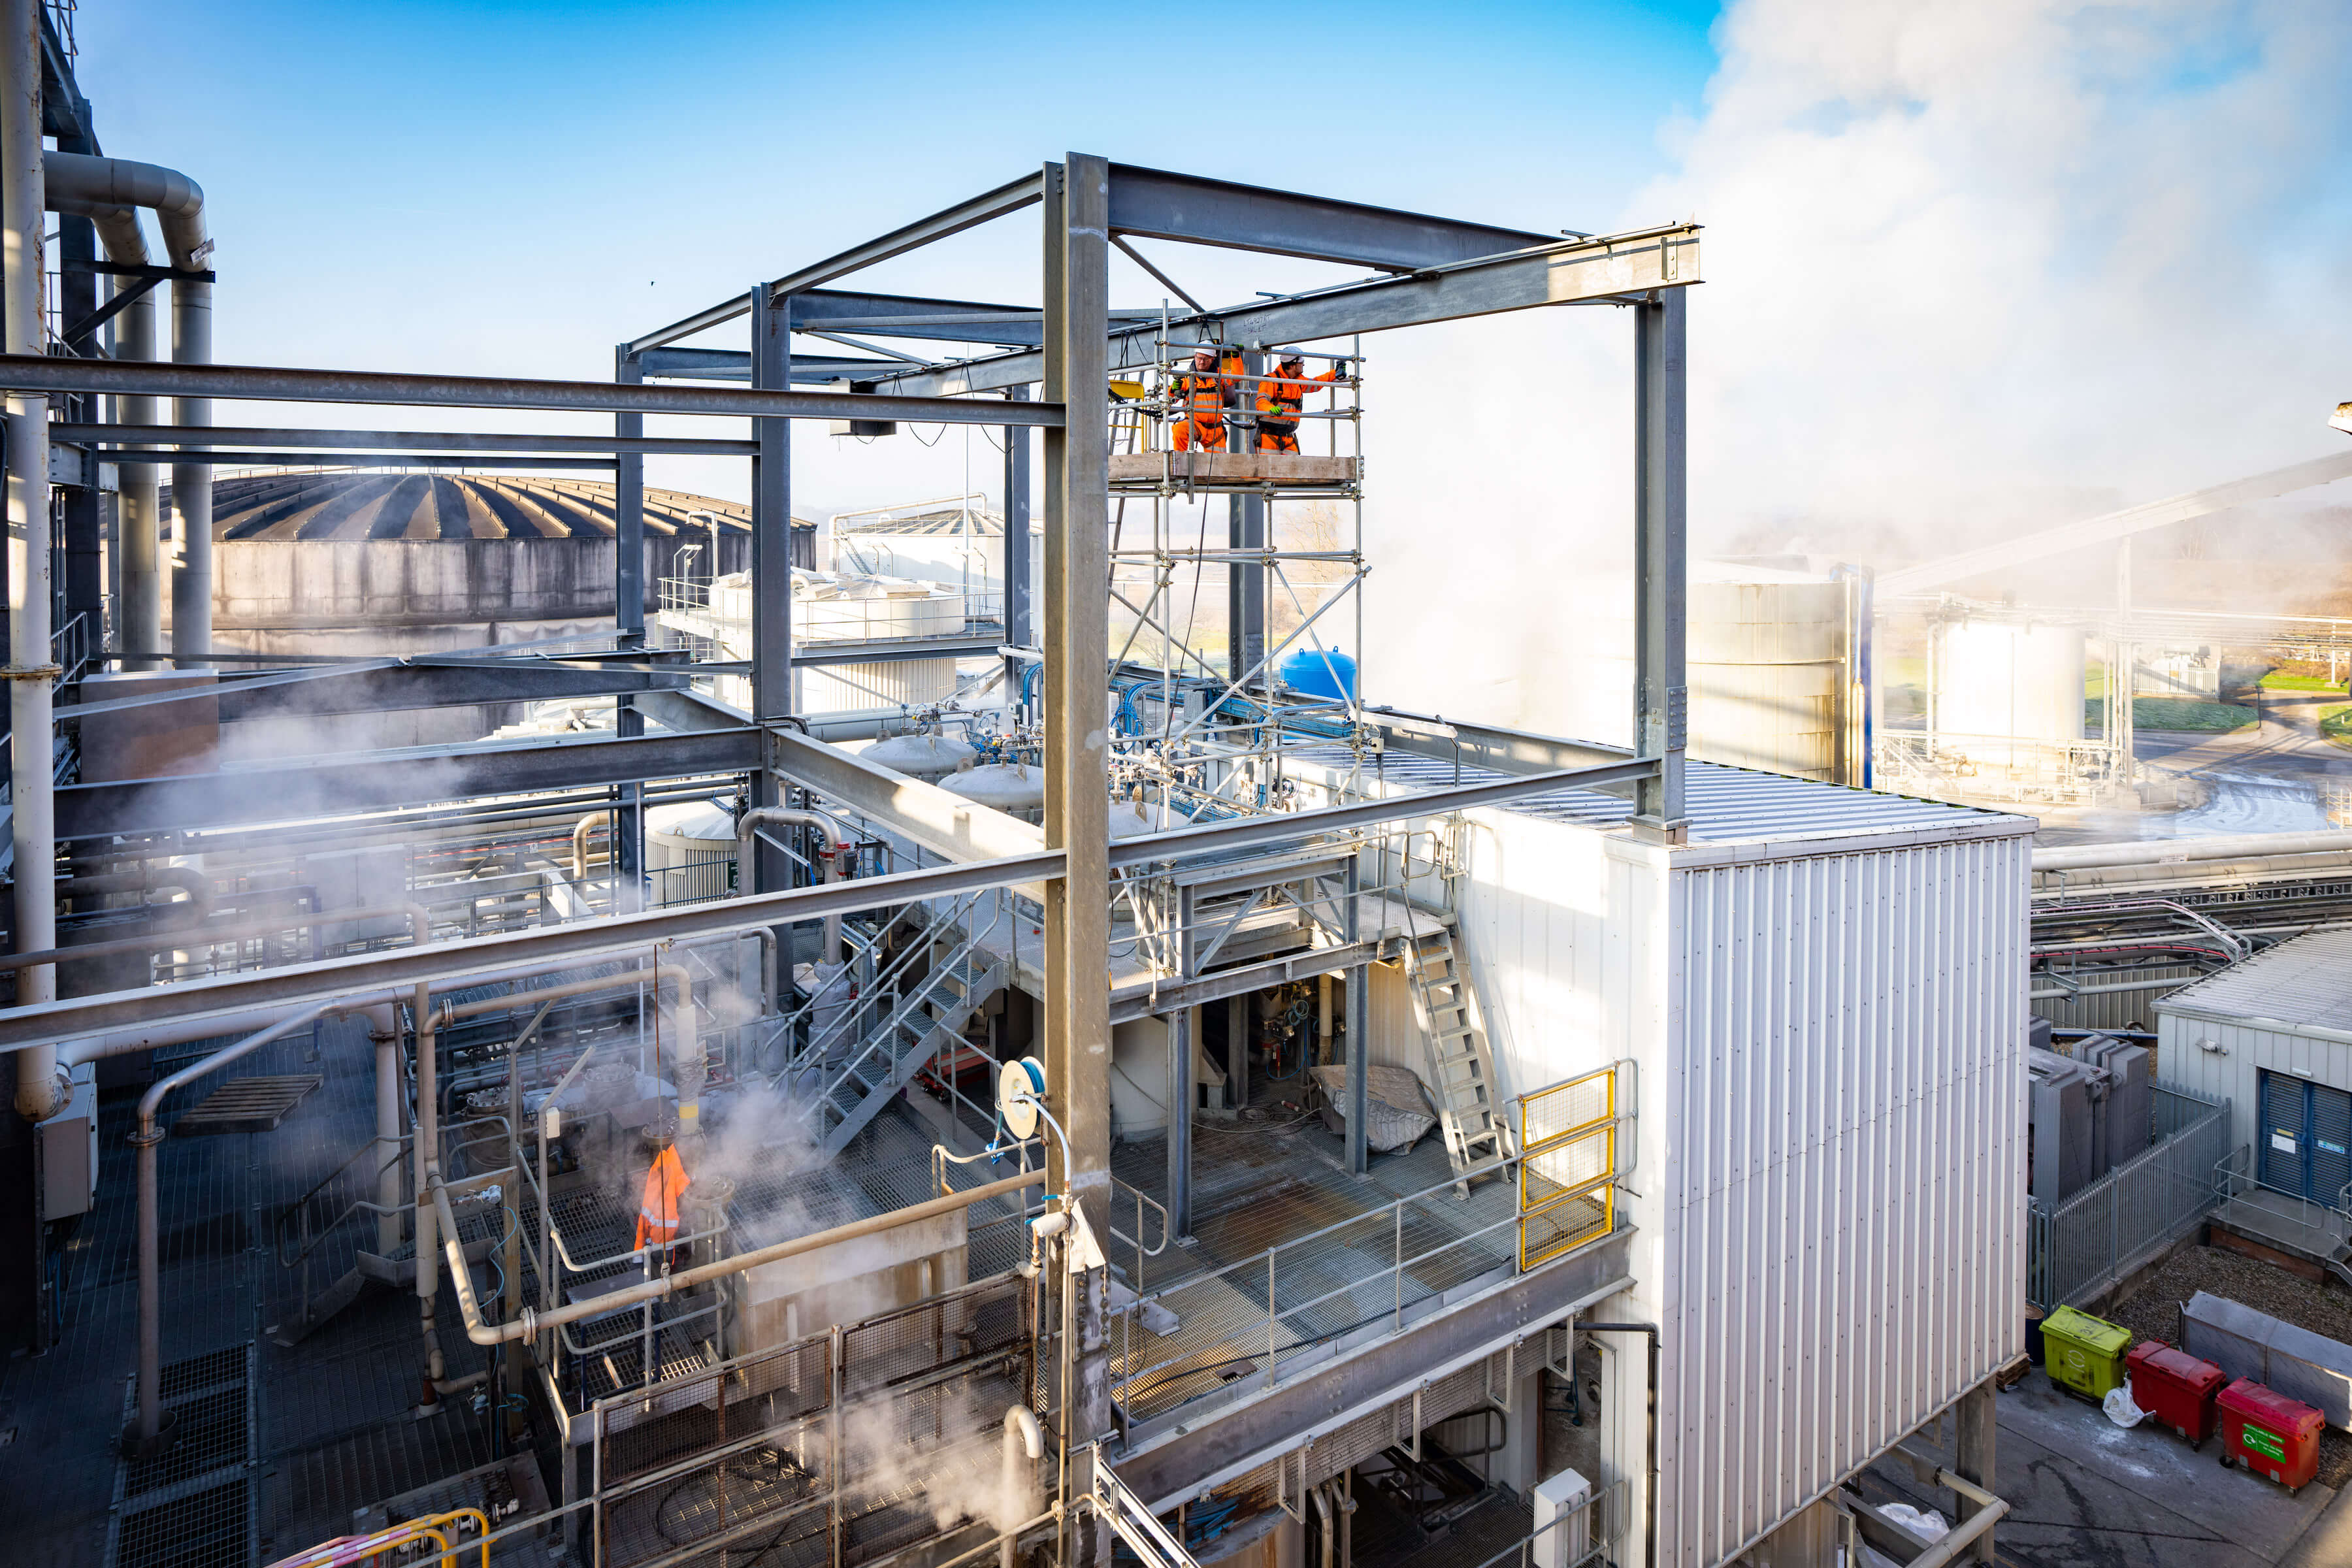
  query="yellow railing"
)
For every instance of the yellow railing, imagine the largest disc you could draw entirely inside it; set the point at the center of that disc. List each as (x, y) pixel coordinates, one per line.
(1568, 1165)
(368, 1549)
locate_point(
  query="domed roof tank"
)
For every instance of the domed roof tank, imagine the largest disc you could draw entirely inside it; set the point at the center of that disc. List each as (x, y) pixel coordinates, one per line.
(929, 758)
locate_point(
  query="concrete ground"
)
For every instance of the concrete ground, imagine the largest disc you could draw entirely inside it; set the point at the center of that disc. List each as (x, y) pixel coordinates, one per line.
(2265, 778)
(2085, 1493)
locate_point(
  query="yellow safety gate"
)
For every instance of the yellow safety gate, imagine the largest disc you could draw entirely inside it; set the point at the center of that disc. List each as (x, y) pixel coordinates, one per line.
(1568, 1165)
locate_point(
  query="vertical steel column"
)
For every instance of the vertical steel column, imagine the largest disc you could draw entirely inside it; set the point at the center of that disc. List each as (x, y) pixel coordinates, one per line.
(1077, 688)
(1972, 1459)
(1360, 1036)
(1020, 621)
(1182, 1093)
(1661, 700)
(771, 561)
(628, 859)
(1246, 529)
(1237, 1034)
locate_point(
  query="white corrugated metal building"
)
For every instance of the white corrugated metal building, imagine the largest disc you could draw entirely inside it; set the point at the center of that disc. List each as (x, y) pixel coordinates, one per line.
(2273, 1033)
(1823, 994)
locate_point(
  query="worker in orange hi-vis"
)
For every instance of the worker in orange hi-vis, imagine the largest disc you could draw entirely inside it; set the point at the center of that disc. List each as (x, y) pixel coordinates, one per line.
(1203, 394)
(1282, 394)
(665, 1185)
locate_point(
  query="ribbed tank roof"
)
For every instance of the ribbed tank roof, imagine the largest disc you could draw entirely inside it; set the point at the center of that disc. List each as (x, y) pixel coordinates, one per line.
(358, 504)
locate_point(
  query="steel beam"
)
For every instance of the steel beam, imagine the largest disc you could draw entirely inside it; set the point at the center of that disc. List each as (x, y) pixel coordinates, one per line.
(1183, 1092)
(436, 441)
(1661, 697)
(1008, 198)
(391, 972)
(372, 691)
(1218, 984)
(1611, 267)
(940, 821)
(1172, 1467)
(629, 513)
(1291, 827)
(36, 374)
(1157, 205)
(365, 780)
(1076, 683)
(733, 364)
(893, 649)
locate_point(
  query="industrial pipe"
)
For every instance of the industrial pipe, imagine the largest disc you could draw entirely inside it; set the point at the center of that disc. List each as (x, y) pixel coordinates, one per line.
(40, 1088)
(112, 189)
(419, 920)
(383, 1034)
(1022, 1436)
(140, 615)
(2156, 851)
(145, 1138)
(748, 824)
(1650, 1484)
(531, 1322)
(581, 831)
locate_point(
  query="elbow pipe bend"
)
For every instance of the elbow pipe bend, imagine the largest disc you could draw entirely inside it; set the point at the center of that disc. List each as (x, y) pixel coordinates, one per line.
(99, 187)
(1021, 1423)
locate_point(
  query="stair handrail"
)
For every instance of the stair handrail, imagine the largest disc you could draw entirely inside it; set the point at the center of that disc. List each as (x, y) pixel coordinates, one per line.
(884, 1034)
(822, 1042)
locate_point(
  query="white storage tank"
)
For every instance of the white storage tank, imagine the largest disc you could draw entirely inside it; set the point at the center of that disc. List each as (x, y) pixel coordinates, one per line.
(929, 758)
(2000, 678)
(689, 852)
(1772, 685)
(1016, 789)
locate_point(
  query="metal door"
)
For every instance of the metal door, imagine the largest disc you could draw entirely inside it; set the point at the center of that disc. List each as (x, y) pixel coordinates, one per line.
(2331, 1142)
(2307, 1138)
(2285, 1144)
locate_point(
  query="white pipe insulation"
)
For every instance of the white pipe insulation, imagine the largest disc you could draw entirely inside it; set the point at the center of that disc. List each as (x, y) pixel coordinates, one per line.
(110, 191)
(40, 1088)
(2160, 851)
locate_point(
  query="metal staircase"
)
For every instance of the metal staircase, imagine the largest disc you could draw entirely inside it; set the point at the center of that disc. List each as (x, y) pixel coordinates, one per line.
(847, 1078)
(1460, 1064)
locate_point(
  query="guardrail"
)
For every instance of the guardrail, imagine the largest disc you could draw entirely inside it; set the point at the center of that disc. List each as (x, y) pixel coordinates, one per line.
(2092, 1239)
(1567, 1203)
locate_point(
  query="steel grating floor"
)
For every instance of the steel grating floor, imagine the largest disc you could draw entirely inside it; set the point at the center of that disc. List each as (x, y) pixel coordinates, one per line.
(1279, 1184)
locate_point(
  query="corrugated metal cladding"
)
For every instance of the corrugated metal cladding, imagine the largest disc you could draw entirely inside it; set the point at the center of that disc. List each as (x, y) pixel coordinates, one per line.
(1843, 1219)
(2133, 1009)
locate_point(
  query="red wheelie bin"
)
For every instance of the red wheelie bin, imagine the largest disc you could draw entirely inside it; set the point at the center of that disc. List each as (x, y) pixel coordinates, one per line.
(2175, 1388)
(2270, 1434)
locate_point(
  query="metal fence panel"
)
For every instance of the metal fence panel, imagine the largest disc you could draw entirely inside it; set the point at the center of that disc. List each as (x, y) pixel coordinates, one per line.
(2096, 1238)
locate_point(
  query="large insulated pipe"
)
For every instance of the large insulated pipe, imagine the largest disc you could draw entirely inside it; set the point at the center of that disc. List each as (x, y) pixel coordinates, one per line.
(2159, 851)
(145, 1139)
(102, 188)
(40, 1089)
(139, 616)
(748, 825)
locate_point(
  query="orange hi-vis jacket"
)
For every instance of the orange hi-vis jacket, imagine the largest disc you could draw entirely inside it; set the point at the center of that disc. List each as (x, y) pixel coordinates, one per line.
(1280, 399)
(1206, 398)
(665, 1185)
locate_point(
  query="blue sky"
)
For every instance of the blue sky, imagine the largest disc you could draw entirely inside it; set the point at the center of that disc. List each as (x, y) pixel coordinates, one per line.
(519, 186)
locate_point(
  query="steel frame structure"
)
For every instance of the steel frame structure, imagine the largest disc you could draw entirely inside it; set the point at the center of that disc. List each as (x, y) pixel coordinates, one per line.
(1047, 370)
